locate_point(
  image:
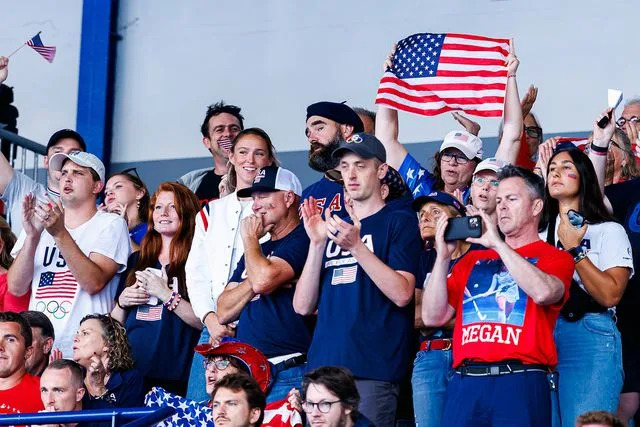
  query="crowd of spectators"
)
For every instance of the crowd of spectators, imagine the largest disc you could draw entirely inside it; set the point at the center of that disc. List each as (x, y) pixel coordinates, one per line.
(239, 298)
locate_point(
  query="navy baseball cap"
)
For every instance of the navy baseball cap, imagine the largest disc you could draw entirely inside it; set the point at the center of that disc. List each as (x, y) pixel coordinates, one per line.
(339, 112)
(273, 178)
(364, 145)
(64, 134)
(439, 197)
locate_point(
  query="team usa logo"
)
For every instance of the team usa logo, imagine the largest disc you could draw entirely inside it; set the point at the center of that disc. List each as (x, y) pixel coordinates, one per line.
(261, 174)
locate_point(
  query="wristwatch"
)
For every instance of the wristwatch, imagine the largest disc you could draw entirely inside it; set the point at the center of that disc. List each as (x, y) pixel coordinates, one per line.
(578, 253)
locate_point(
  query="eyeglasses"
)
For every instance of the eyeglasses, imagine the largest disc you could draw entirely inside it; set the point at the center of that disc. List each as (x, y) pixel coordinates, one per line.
(623, 121)
(533, 131)
(323, 406)
(480, 180)
(220, 364)
(460, 158)
(131, 171)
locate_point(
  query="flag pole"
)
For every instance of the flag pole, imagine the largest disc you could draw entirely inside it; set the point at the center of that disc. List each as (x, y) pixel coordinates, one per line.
(21, 46)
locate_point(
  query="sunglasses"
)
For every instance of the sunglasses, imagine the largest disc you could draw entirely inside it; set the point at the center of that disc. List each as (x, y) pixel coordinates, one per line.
(131, 171)
(533, 131)
(623, 121)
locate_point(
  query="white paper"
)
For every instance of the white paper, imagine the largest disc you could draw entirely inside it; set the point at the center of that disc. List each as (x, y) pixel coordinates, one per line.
(614, 97)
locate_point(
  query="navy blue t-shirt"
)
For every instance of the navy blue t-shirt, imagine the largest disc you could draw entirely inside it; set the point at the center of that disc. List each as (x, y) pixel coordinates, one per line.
(358, 326)
(268, 322)
(625, 200)
(328, 194)
(158, 337)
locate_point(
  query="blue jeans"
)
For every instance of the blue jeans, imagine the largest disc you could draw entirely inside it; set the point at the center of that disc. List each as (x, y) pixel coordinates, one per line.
(589, 365)
(505, 400)
(431, 375)
(283, 381)
(196, 390)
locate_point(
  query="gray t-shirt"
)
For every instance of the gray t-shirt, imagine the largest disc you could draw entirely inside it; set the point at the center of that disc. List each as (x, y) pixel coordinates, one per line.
(19, 186)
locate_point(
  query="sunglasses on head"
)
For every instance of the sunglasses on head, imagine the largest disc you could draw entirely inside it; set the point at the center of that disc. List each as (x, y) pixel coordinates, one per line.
(131, 171)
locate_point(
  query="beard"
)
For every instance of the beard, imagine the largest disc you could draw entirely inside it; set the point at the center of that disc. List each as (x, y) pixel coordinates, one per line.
(321, 159)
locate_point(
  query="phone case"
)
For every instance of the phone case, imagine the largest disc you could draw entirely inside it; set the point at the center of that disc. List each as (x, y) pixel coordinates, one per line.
(463, 227)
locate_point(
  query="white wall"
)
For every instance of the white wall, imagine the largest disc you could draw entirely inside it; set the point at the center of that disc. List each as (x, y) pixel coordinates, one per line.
(273, 58)
(45, 94)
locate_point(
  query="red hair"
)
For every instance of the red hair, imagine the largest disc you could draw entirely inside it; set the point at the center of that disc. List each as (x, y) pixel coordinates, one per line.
(187, 207)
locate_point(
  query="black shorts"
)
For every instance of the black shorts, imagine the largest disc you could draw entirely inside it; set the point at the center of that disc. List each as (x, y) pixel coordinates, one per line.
(630, 335)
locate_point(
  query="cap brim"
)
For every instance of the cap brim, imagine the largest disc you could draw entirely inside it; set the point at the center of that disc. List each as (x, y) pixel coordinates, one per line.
(248, 192)
(419, 202)
(466, 150)
(56, 161)
(339, 152)
(486, 168)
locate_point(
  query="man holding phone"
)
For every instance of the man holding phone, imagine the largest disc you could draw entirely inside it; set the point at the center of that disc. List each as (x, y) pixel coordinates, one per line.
(504, 361)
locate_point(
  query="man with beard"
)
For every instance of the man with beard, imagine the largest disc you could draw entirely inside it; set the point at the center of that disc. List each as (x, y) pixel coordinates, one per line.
(327, 124)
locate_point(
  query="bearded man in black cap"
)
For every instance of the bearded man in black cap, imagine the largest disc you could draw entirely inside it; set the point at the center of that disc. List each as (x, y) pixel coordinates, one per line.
(327, 124)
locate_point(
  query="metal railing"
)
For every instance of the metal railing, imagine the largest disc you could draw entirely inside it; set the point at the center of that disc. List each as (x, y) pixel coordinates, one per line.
(19, 151)
(134, 417)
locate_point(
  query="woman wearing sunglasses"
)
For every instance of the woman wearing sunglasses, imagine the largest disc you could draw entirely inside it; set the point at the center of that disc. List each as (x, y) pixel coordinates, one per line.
(126, 195)
(587, 340)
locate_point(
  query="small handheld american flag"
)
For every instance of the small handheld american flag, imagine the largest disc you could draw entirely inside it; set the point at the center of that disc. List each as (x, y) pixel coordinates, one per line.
(47, 52)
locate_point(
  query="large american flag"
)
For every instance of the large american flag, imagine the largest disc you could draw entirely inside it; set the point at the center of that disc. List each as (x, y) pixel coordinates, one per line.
(47, 52)
(436, 73)
(60, 284)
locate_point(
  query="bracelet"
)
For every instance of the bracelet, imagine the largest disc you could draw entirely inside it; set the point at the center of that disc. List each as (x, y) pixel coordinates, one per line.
(173, 302)
(168, 302)
(118, 303)
(580, 257)
(510, 75)
(599, 150)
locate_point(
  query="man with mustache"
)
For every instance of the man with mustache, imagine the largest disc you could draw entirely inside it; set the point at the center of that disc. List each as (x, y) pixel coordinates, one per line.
(327, 124)
(220, 126)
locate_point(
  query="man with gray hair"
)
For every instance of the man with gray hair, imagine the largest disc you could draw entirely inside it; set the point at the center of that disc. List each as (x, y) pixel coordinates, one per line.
(629, 122)
(498, 359)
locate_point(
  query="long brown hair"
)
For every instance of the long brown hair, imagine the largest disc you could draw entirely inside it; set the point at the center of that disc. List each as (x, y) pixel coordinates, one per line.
(187, 207)
(8, 240)
(143, 203)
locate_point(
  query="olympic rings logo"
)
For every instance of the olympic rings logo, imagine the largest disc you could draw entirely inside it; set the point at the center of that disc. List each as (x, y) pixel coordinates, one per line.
(54, 308)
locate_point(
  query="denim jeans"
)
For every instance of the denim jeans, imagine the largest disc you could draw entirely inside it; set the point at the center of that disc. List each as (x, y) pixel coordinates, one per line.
(283, 381)
(196, 390)
(589, 365)
(431, 375)
(378, 401)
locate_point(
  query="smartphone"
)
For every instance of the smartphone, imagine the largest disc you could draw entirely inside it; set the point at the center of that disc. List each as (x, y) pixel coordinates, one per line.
(576, 218)
(461, 228)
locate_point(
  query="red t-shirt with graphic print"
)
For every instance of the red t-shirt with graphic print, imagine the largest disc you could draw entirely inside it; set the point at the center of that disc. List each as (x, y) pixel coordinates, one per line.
(22, 398)
(495, 319)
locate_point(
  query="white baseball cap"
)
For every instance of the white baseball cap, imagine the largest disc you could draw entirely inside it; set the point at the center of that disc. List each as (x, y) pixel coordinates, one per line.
(81, 158)
(464, 141)
(490, 164)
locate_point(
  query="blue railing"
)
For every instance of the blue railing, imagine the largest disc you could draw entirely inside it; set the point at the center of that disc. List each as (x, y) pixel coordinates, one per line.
(133, 416)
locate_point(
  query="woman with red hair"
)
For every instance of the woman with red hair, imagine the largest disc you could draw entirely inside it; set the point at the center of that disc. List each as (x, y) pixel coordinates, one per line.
(152, 301)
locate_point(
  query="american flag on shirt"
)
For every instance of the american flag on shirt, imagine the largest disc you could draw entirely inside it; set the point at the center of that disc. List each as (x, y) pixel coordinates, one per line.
(59, 284)
(344, 275)
(47, 52)
(436, 73)
(149, 313)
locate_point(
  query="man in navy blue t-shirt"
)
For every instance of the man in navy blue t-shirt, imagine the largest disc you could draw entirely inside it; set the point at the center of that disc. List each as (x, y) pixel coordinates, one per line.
(327, 124)
(260, 291)
(360, 276)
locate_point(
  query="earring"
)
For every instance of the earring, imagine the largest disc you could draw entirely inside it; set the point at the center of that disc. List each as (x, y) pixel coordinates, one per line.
(138, 203)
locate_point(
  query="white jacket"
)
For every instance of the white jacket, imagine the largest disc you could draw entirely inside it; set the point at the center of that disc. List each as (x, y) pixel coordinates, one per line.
(212, 259)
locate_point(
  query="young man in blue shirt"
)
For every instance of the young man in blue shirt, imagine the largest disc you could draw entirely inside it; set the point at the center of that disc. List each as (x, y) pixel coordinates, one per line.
(360, 276)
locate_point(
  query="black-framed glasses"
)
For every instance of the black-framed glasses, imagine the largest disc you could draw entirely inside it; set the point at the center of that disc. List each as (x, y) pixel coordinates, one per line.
(533, 131)
(460, 158)
(131, 171)
(480, 180)
(220, 364)
(623, 121)
(323, 406)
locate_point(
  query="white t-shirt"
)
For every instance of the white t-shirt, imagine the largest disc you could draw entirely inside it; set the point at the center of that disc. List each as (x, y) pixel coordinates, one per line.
(607, 246)
(54, 290)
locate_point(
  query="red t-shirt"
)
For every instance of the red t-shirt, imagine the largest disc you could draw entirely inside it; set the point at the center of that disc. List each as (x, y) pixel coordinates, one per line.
(10, 303)
(495, 319)
(23, 398)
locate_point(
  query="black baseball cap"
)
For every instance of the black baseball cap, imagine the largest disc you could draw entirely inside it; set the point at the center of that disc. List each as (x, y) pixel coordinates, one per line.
(273, 178)
(66, 133)
(364, 145)
(339, 112)
(439, 197)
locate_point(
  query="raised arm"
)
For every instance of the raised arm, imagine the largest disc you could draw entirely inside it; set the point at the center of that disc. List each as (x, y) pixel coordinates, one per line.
(512, 128)
(436, 310)
(21, 270)
(6, 171)
(305, 298)
(600, 146)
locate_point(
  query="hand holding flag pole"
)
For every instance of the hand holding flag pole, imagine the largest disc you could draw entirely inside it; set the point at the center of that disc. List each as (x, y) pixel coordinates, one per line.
(35, 42)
